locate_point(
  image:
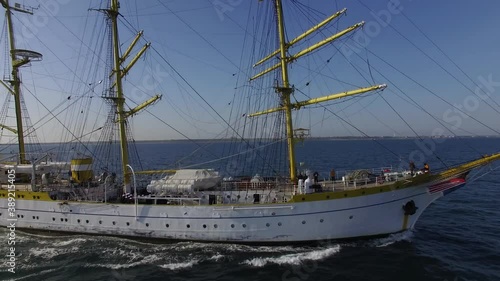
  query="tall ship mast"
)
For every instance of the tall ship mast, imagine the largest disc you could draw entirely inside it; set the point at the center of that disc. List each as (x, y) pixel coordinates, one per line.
(285, 90)
(116, 95)
(19, 58)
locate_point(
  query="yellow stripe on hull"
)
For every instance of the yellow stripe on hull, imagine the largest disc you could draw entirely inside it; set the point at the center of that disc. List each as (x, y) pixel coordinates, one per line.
(27, 195)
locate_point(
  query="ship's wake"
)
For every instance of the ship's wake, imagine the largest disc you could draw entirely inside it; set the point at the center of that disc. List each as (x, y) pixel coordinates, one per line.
(43, 253)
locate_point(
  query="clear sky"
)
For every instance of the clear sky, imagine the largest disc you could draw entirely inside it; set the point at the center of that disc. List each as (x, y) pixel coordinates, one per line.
(203, 40)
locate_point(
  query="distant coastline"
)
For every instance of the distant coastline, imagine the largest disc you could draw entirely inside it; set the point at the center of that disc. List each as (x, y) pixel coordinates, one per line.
(342, 138)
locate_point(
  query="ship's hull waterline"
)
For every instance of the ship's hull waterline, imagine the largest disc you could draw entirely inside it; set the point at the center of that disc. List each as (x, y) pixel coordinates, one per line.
(361, 216)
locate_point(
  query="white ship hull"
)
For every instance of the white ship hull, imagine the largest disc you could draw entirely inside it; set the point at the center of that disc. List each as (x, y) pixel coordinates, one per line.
(367, 215)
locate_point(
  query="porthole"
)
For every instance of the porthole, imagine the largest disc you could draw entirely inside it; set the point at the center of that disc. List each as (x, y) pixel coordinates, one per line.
(232, 225)
(244, 225)
(37, 217)
(53, 219)
(303, 199)
(345, 194)
(321, 220)
(167, 225)
(303, 222)
(188, 226)
(328, 197)
(62, 219)
(78, 220)
(114, 223)
(100, 222)
(87, 221)
(38, 197)
(350, 217)
(34, 197)
(215, 226)
(273, 213)
(279, 224)
(33, 217)
(147, 224)
(66, 220)
(268, 225)
(128, 223)
(22, 216)
(204, 226)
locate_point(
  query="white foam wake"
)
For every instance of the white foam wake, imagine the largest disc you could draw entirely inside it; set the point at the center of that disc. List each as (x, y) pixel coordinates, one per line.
(146, 260)
(294, 259)
(69, 242)
(30, 276)
(179, 265)
(393, 238)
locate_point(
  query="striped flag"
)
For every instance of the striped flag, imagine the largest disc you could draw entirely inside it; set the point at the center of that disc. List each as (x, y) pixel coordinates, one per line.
(447, 185)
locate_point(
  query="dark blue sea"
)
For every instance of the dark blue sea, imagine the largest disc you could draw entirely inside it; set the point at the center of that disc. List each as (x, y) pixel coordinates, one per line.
(457, 238)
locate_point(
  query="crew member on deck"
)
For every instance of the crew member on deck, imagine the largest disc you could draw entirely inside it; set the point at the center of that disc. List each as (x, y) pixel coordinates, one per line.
(412, 167)
(332, 175)
(426, 168)
(316, 177)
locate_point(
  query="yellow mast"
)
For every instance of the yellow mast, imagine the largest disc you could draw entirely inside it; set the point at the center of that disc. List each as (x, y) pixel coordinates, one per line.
(286, 91)
(120, 100)
(16, 81)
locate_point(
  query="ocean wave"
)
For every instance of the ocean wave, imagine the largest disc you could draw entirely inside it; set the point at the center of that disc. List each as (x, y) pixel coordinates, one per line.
(239, 248)
(69, 242)
(295, 258)
(27, 277)
(391, 239)
(48, 253)
(223, 247)
(216, 257)
(146, 260)
(179, 265)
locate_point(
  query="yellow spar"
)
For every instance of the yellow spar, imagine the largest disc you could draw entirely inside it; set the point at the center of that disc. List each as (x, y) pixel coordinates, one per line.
(310, 49)
(304, 35)
(300, 104)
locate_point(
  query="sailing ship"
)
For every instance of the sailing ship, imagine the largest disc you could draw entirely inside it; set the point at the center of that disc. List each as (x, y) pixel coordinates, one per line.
(205, 204)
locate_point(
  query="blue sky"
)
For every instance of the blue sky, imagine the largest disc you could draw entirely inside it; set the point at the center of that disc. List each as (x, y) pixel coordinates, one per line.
(207, 57)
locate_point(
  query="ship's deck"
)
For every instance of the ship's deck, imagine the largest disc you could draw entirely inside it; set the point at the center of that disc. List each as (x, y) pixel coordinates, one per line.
(227, 193)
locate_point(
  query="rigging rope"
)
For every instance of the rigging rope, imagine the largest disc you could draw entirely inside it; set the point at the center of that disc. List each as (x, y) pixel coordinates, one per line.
(439, 65)
(197, 93)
